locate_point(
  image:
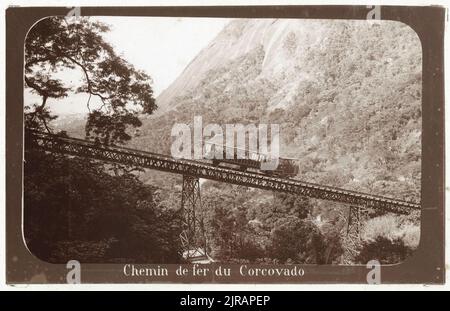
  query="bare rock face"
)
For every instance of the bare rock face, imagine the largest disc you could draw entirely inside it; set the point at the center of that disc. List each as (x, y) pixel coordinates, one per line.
(237, 39)
(288, 48)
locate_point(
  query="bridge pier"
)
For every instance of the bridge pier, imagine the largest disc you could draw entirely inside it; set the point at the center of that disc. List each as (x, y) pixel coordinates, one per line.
(193, 239)
(351, 239)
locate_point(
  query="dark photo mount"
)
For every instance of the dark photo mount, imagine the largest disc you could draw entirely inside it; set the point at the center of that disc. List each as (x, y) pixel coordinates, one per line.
(424, 265)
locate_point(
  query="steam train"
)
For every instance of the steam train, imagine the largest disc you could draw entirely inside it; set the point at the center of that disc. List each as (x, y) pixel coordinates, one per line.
(251, 161)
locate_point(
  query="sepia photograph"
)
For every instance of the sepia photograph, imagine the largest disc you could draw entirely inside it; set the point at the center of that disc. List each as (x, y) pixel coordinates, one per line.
(171, 140)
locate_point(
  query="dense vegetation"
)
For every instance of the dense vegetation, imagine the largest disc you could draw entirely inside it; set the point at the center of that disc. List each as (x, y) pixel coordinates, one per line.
(78, 208)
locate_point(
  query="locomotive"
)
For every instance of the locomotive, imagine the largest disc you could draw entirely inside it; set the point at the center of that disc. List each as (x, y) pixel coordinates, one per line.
(251, 162)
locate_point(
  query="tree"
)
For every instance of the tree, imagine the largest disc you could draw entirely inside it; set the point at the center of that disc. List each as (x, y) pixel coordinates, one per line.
(298, 241)
(58, 43)
(222, 226)
(294, 205)
(384, 250)
(71, 213)
(70, 210)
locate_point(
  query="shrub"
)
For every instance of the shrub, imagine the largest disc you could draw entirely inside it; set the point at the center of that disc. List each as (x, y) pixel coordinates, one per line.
(384, 250)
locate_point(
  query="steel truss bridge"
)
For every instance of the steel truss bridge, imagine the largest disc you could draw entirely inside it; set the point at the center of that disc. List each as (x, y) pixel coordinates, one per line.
(192, 236)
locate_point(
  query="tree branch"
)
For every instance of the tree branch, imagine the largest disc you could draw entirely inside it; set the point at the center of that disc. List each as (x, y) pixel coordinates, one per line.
(38, 60)
(35, 87)
(88, 80)
(56, 54)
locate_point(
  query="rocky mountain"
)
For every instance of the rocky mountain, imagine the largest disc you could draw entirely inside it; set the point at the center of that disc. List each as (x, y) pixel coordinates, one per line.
(347, 96)
(280, 39)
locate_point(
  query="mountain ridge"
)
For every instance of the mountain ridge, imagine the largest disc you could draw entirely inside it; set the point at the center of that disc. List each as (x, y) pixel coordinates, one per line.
(345, 93)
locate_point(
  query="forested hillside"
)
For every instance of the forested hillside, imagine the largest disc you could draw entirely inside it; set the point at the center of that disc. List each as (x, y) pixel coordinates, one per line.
(347, 96)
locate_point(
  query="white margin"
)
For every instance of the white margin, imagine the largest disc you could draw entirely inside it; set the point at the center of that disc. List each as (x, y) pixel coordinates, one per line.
(203, 287)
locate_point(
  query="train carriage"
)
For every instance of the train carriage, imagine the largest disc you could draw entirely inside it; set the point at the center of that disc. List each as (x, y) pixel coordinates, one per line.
(252, 161)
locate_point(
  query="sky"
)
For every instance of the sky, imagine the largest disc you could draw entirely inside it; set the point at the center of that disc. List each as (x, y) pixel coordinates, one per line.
(161, 46)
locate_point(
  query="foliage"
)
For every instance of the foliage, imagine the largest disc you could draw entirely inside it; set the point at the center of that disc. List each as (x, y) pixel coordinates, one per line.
(384, 250)
(333, 249)
(83, 251)
(242, 229)
(393, 227)
(58, 43)
(77, 208)
(71, 213)
(297, 241)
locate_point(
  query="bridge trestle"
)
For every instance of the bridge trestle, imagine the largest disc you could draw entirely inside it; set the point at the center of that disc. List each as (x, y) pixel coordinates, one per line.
(351, 235)
(192, 237)
(122, 155)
